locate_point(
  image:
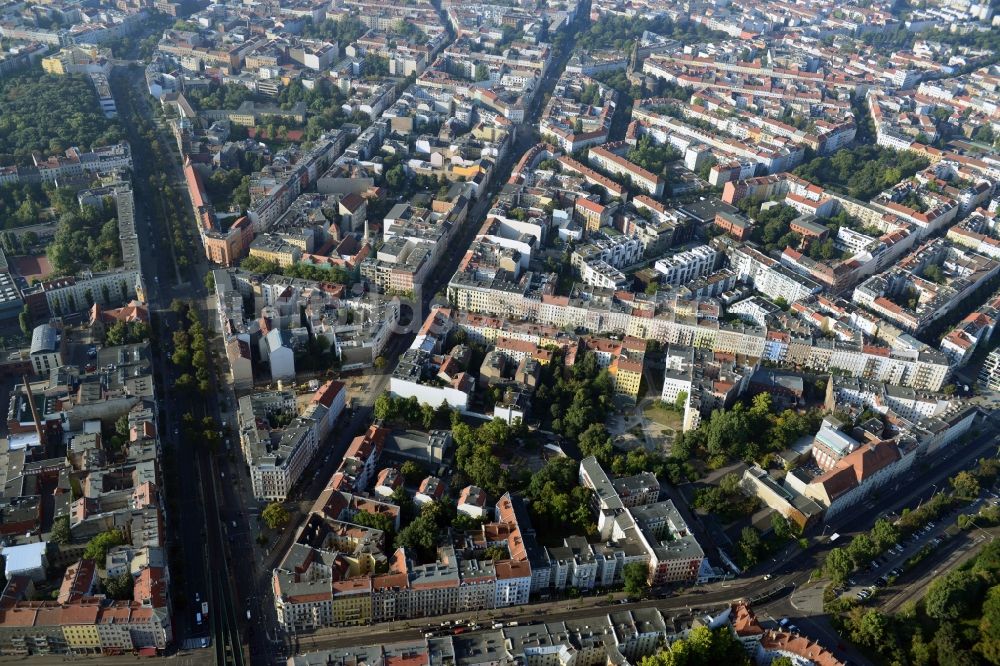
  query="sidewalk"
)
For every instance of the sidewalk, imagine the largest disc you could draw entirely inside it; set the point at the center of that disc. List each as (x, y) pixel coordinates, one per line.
(534, 612)
(204, 657)
(483, 617)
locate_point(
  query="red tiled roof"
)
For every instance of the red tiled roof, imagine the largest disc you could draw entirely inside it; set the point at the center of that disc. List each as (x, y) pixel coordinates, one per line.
(326, 393)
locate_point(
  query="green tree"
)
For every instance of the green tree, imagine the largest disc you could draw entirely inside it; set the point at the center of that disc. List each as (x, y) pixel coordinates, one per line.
(442, 414)
(49, 113)
(862, 170)
(97, 548)
(862, 549)
(122, 425)
(405, 503)
(378, 521)
(780, 526)
(952, 596)
(496, 553)
(920, 650)
(702, 647)
(558, 504)
(935, 274)
(412, 471)
(427, 416)
(730, 483)
(185, 383)
(24, 320)
(464, 522)
(884, 533)
(419, 537)
(951, 647)
(635, 575)
(120, 587)
(60, 530)
(965, 485)
(117, 334)
(750, 546)
(385, 408)
(596, 441)
(989, 627)
(275, 515)
(871, 629)
(395, 178)
(838, 565)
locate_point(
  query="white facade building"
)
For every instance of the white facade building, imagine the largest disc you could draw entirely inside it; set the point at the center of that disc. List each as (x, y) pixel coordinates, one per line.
(686, 266)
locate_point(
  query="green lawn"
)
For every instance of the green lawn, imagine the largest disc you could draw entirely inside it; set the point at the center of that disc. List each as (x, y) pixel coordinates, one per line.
(665, 417)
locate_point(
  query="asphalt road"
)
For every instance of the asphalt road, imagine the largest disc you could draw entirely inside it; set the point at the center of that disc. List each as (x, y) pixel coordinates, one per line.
(787, 574)
(197, 530)
(913, 584)
(217, 521)
(526, 136)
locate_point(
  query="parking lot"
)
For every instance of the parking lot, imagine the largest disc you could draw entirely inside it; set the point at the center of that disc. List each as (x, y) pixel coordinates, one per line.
(888, 566)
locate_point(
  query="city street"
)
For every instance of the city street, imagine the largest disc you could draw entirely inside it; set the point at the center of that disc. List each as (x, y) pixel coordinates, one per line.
(789, 578)
(197, 530)
(216, 524)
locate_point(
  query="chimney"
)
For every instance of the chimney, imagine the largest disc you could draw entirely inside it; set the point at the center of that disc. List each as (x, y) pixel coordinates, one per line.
(34, 410)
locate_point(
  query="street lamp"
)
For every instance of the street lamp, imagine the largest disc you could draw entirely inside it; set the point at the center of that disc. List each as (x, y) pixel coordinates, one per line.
(933, 491)
(971, 520)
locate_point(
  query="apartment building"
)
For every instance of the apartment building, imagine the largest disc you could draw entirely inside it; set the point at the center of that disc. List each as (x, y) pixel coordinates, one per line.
(526, 299)
(623, 359)
(618, 250)
(46, 352)
(432, 379)
(768, 276)
(278, 442)
(275, 249)
(21, 56)
(600, 259)
(672, 554)
(336, 574)
(357, 469)
(601, 274)
(905, 297)
(989, 374)
(856, 475)
(686, 266)
(705, 381)
(604, 157)
(620, 637)
(86, 627)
